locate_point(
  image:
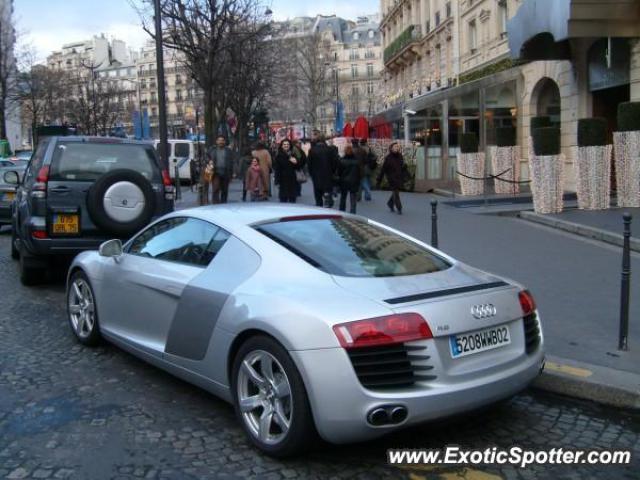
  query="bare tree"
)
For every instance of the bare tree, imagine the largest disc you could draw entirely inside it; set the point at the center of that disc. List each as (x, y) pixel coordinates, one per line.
(8, 69)
(205, 32)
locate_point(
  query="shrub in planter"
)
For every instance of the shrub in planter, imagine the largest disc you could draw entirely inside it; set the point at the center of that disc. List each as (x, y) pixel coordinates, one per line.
(505, 137)
(592, 132)
(539, 122)
(629, 117)
(546, 141)
(468, 143)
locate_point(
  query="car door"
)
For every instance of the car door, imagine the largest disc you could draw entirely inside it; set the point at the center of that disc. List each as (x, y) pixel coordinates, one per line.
(142, 289)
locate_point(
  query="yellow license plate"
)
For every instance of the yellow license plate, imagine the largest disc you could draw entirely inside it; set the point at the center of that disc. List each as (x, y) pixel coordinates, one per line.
(9, 196)
(65, 223)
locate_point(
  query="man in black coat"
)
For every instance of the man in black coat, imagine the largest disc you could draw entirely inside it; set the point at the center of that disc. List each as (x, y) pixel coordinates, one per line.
(323, 165)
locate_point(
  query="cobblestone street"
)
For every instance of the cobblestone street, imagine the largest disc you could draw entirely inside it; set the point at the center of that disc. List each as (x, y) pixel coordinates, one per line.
(67, 411)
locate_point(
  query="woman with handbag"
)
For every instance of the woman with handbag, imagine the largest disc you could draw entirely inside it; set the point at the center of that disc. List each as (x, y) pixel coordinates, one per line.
(395, 170)
(288, 172)
(208, 173)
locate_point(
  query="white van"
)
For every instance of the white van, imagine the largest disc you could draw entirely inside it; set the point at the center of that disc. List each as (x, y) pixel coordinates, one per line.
(181, 153)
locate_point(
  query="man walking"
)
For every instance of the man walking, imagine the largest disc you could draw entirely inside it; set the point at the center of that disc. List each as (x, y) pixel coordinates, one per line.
(323, 166)
(368, 163)
(223, 160)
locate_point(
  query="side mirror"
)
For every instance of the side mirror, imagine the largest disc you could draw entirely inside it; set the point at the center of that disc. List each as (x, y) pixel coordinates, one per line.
(111, 248)
(11, 178)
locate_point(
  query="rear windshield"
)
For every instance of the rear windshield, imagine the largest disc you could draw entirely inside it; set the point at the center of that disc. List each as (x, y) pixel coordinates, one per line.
(181, 150)
(88, 161)
(353, 248)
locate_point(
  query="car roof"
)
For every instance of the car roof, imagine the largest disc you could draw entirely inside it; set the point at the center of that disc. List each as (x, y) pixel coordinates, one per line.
(234, 215)
(101, 140)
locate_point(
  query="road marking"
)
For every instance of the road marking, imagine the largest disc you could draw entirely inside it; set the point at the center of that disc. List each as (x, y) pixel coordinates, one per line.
(574, 371)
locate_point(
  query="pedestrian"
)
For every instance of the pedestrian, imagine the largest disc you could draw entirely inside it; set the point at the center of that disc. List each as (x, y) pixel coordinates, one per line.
(254, 181)
(194, 173)
(245, 162)
(286, 166)
(323, 166)
(265, 162)
(298, 152)
(223, 161)
(368, 163)
(394, 169)
(208, 173)
(350, 174)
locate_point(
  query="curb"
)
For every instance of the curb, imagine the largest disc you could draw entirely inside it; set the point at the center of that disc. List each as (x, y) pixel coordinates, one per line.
(608, 386)
(581, 230)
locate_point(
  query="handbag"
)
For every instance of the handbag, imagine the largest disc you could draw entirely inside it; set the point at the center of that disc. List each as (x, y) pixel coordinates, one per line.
(300, 176)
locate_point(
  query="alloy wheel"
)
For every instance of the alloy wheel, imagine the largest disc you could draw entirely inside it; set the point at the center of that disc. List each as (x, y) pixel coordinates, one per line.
(81, 308)
(264, 397)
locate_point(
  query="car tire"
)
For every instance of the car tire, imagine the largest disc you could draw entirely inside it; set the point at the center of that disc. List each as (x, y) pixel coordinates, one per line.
(81, 309)
(15, 254)
(293, 409)
(30, 274)
(96, 208)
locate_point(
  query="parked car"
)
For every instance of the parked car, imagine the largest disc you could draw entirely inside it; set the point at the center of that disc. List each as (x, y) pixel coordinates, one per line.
(308, 322)
(7, 196)
(79, 191)
(5, 162)
(180, 153)
(22, 155)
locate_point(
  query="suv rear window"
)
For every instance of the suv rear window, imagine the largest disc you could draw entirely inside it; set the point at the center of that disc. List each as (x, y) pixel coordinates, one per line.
(181, 149)
(353, 248)
(88, 161)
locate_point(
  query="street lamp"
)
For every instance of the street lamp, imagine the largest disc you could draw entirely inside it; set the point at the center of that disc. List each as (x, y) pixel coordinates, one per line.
(162, 103)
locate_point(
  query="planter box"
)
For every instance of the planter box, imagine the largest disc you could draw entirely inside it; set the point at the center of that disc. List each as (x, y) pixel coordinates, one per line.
(593, 169)
(471, 165)
(627, 158)
(506, 158)
(547, 183)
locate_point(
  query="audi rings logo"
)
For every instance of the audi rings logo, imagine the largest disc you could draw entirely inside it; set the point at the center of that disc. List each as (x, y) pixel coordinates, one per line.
(485, 310)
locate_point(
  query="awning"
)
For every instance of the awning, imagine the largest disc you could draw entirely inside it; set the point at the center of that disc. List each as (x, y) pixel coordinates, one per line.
(348, 130)
(541, 29)
(361, 128)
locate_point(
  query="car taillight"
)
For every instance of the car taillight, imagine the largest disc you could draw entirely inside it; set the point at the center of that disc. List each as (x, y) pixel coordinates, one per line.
(527, 303)
(166, 179)
(39, 234)
(386, 330)
(39, 189)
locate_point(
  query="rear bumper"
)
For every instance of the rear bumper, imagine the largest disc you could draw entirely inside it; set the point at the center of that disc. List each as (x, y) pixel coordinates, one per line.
(64, 246)
(340, 404)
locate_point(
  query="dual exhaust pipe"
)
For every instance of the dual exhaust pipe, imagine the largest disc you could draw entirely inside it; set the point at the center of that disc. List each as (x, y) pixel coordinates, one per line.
(387, 415)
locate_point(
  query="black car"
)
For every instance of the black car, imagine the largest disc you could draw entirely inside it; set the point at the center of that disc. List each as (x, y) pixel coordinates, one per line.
(78, 192)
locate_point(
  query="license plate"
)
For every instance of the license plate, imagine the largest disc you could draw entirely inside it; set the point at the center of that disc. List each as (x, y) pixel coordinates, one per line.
(65, 224)
(479, 341)
(9, 196)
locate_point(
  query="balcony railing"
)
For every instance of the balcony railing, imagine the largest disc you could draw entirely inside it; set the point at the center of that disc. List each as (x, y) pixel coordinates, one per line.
(410, 35)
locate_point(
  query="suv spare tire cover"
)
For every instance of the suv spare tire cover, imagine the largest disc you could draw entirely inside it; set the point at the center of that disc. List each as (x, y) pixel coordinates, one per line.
(121, 202)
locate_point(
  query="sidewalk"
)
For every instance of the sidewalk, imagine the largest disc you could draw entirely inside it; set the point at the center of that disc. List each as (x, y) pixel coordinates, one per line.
(575, 281)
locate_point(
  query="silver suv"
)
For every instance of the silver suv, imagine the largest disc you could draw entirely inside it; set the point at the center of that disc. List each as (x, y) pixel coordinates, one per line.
(78, 192)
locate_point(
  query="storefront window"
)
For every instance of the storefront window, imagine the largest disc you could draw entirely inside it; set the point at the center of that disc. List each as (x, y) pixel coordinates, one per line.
(464, 117)
(500, 109)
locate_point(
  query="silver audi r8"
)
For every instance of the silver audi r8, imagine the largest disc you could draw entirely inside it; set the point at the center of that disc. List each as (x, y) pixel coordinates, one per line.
(308, 321)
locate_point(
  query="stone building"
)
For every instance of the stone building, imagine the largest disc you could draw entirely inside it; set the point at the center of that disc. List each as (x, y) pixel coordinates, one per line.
(509, 60)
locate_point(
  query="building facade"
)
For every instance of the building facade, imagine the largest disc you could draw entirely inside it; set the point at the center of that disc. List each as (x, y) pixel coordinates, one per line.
(12, 111)
(350, 65)
(508, 63)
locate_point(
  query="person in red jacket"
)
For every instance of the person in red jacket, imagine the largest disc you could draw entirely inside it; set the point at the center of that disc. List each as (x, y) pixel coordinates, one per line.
(254, 181)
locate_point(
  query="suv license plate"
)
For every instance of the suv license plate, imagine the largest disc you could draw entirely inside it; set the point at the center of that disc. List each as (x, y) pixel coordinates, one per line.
(65, 224)
(479, 341)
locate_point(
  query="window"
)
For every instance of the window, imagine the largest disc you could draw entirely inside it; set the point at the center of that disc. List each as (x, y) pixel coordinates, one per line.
(181, 149)
(503, 17)
(178, 79)
(178, 94)
(80, 161)
(353, 248)
(437, 19)
(372, 34)
(356, 36)
(354, 71)
(179, 110)
(355, 91)
(473, 36)
(370, 87)
(353, 55)
(369, 70)
(183, 240)
(36, 162)
(448, 9)
(427, 27)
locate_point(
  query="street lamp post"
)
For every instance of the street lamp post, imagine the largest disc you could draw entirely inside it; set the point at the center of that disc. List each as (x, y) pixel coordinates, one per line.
(162, 105)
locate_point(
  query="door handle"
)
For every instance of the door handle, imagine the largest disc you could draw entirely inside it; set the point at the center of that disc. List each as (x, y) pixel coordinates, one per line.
(60, 190)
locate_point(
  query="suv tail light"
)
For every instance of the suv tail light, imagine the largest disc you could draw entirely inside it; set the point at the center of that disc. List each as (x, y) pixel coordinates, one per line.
(169, 189)
(527, 302)
(39, 189)
(385, 330)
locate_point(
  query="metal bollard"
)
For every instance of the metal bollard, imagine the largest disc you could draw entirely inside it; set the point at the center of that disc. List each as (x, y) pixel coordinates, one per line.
(176, 171)
(623, 340)
(434, 224)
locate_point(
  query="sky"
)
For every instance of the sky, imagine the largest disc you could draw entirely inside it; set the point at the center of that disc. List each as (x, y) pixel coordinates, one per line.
(46, 25)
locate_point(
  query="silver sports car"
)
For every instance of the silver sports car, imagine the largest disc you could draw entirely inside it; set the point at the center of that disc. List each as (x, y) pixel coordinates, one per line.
(308, 320)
